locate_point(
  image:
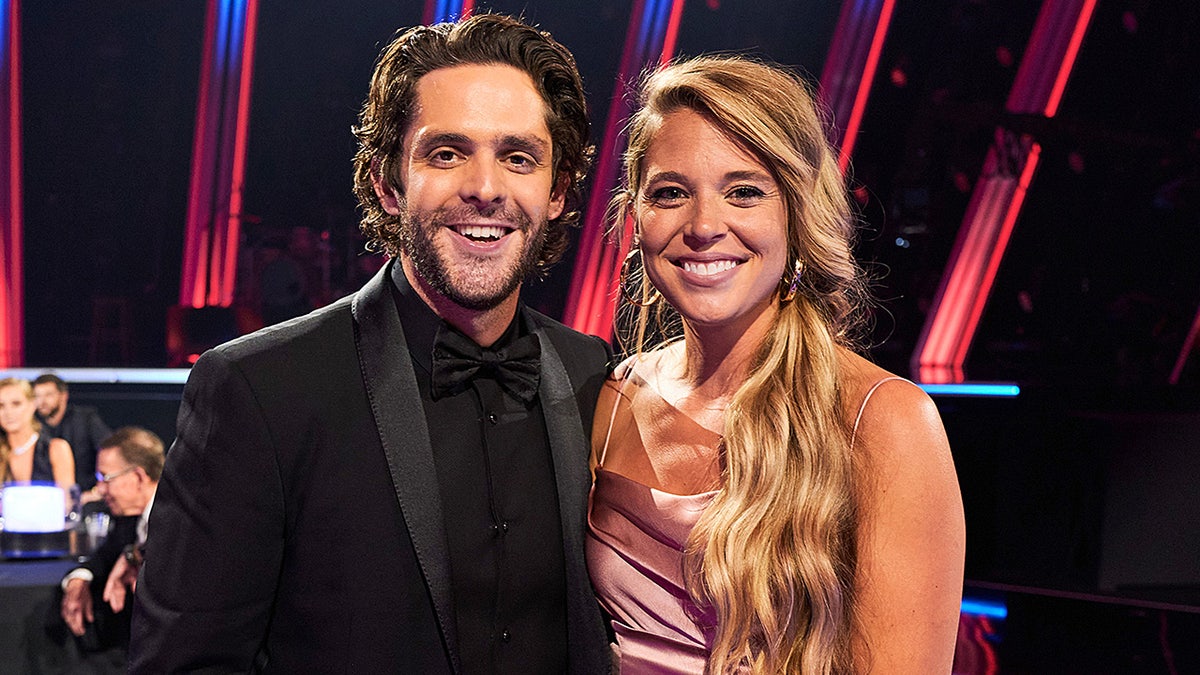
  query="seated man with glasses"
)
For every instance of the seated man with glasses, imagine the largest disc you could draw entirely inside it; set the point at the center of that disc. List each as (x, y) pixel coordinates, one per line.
(129, 464)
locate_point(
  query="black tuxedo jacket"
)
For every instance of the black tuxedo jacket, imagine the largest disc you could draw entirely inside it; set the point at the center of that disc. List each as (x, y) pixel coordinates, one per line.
(298, 524)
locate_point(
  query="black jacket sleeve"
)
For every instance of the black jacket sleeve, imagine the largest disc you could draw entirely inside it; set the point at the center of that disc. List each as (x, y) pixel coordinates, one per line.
(217, 529)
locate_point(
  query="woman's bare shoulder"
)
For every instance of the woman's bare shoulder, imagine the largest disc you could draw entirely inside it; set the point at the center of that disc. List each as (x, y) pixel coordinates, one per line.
(911, 536)
(869, 390)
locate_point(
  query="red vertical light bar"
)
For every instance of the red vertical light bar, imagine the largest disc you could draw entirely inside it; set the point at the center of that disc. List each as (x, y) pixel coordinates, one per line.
(233, 226)
(850, 68)
(668, 48)
(591, 301)
(974, 301)
(1064, 70)
(996, 201)
(1189, 343)
(193, 279)
(590, 254)
(218, 159)
(220, 180)
(12, 248)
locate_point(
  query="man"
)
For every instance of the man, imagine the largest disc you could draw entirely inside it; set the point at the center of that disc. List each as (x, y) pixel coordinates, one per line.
(129, 465)
(80, 426)
(398, 482)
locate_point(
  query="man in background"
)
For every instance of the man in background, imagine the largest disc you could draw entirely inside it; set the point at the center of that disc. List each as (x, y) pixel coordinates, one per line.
(93, 606)
(80, 426)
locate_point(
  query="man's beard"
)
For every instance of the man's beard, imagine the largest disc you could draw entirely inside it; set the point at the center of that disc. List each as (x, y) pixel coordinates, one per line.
(454, 280)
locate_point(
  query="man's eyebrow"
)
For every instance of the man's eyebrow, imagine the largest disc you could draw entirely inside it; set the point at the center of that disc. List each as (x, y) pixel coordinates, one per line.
(438, 139)
(531, 144)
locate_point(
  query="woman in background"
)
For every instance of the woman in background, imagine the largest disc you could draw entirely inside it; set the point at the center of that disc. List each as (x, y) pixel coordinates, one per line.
(766, 500)
(26, 454)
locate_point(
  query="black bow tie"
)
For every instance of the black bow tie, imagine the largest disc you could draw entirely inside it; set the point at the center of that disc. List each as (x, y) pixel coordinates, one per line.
(457, 360)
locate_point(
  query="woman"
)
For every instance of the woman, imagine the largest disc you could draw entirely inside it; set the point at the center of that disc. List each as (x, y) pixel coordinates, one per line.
(766, 500)
(25, 454)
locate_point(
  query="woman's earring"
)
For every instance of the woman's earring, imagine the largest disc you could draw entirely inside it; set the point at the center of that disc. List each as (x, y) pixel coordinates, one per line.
(790, 293)
(622, 283)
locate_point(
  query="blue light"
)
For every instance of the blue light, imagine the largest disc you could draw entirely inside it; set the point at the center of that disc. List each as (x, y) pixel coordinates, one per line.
(645, 29)
(447, 11)
(993, 609)
(224, 17)
(5, 48)
(662, 15)
(106, 375)
(972, 389)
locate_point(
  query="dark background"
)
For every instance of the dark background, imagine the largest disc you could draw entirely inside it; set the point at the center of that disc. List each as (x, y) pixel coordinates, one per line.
(1088, 314)
(1099, 285)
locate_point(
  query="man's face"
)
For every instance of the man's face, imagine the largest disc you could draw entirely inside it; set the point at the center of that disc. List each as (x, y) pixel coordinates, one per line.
(50, 401)
(477, 181)
(123, 493)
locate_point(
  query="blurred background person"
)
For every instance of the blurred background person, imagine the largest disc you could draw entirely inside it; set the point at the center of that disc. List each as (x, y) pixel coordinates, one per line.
(26, 452)
(283, 283)
(93, 604)
(80, 426)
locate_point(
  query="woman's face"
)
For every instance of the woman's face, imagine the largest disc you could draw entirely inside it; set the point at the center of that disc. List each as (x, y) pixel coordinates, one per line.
(16, 410)
(713, 224)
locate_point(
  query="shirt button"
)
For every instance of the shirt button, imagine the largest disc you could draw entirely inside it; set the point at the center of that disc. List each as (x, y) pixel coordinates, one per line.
(505, 636)
(492, 418)
(504, 526)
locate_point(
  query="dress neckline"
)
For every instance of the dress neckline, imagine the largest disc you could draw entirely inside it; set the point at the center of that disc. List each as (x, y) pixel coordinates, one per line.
(637, 483)
(644, 383)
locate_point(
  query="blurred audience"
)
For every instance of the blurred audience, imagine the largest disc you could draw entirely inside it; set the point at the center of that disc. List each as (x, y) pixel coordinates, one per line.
(80, 426)
(283, 284)
(94, 605)
(27, 453)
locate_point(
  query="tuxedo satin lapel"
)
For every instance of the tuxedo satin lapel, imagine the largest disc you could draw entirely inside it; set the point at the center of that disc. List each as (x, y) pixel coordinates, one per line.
(396, 404)
(569, 449)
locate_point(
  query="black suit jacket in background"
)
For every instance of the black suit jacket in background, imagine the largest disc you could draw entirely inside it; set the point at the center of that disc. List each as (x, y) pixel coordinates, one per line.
(82, 428)
(298, 525)
(108, 629)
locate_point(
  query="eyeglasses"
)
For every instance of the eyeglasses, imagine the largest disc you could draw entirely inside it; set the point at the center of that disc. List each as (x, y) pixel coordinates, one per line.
(108, 477)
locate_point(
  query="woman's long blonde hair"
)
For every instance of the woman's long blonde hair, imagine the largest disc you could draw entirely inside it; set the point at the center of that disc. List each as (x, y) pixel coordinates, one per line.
(5, 449)
(775, 553)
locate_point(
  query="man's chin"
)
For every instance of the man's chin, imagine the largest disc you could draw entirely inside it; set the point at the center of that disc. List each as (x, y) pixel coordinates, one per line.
(471, 291)
(477, 303)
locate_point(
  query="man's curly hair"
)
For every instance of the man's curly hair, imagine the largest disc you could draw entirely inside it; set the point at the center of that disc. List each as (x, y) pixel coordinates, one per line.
(481, 39)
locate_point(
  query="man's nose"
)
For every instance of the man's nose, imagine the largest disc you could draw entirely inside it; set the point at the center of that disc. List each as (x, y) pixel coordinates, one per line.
(483, 183)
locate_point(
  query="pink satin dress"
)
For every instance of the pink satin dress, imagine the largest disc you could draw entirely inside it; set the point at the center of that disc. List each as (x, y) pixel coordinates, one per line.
(637, 534)
(636, 537)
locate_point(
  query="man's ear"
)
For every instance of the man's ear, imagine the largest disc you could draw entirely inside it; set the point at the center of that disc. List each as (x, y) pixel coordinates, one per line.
(558, 196)
(388, 196)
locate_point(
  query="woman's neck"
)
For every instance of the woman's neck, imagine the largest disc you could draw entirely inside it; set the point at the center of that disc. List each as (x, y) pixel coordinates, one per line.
(718, 358)
(20, 437)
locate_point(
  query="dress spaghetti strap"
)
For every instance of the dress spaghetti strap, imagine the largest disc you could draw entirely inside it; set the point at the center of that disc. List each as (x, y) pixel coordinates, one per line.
(862, 407)
(621, 373)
